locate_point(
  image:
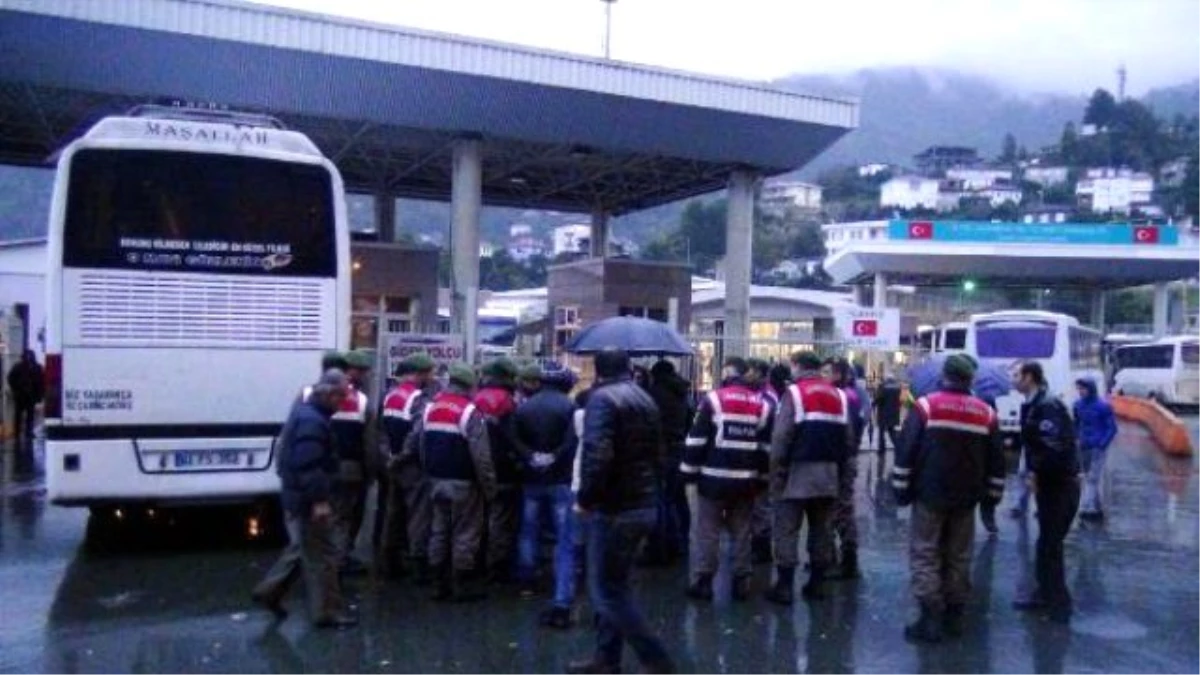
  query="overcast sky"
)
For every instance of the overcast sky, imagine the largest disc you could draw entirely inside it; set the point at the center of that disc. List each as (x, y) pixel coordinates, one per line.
(1069, 46)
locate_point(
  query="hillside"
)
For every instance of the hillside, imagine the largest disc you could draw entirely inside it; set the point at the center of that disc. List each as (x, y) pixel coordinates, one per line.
(904, 110)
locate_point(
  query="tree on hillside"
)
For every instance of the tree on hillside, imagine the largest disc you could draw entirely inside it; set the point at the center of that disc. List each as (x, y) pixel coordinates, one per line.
(1191, 189)
(1101, 109)
(1008, 153)
(1068, 144)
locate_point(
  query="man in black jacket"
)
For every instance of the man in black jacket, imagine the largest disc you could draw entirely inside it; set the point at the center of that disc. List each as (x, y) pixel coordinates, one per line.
(546, 433)
(25, 380)
(307, 467)
(1052, 456)
(887, 410)
(621, 458)
(669, 540)
(948, 460)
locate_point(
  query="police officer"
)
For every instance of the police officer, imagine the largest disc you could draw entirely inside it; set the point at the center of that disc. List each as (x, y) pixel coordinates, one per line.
(497, 401)
(351, 424)
(812, 435)
(726, 455)
(1052, 457)
(451, 439)
(948, 460)
(406, 524)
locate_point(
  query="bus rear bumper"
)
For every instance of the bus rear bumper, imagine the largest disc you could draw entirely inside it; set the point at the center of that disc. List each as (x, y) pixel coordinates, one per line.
(113, 472)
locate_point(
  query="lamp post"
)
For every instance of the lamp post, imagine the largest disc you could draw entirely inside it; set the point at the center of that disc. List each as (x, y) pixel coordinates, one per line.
(607, 26)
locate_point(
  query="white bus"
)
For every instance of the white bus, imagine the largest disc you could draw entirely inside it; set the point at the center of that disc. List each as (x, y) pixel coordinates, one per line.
(1066, 350)
(198, 268)
(1166, 370)
(947, 338)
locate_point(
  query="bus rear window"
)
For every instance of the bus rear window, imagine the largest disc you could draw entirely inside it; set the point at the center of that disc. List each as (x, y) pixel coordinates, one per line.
(955, 338)
(198, 212)
(1150, 357)
(1015, 340)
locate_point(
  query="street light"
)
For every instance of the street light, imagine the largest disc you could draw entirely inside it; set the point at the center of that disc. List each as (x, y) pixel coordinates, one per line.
(969, 285)
(607, 26)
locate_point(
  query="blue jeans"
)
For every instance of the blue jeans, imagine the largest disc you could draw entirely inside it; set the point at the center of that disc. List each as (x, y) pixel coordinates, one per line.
(558, 500)
(613, 541)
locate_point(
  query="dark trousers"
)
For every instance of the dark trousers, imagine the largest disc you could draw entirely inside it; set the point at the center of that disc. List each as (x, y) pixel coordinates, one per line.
(459, 520)
(408, 517)
(23, 420)
(311, 550)
(672, 518)
(613, 540)
(1057, 504)
(503, 523)
(349, 501)
(886, 431)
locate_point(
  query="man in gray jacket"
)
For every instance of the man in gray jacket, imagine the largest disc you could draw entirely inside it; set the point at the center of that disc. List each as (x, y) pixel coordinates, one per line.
(812, 436)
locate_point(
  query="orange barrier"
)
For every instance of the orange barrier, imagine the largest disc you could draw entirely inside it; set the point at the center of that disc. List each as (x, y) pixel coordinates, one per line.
(1169, 431)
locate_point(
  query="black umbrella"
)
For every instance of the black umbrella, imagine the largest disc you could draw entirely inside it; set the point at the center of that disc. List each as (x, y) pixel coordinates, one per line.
(633, 334)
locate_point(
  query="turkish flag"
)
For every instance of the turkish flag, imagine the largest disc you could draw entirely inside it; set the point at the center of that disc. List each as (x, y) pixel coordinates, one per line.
(865, 328)
(920, 229)
(1145, 235)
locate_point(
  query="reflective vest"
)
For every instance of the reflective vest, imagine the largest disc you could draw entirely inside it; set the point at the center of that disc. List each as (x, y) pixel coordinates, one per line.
(498, 404)
(726, 449)
(398, 413)
(349, 424)
(821, 415)
(952, 465)
(445, 452)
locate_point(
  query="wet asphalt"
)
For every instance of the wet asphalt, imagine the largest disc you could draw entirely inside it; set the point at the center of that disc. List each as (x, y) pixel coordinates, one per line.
(177, 600)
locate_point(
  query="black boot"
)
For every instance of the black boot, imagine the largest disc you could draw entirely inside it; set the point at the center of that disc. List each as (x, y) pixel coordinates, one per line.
(741, 588)
(442, 588)
(468, 586)
(760, 550)
(783, 592)
(849, 568)
(420, 567)
(701, 588)
(927, 627)
(952, 620)
(815, 588)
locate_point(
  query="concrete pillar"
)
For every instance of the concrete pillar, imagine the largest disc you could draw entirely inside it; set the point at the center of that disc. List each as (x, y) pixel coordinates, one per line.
(861, 295)
(385, 216)
(1162, 297)
(466, 198)
(599, 240)
(739, 238)
(880, 291)
(1099, 309)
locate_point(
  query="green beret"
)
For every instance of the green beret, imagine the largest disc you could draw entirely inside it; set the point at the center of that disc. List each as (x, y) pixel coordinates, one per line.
(531, 372)
(462, 374)
(420, 362)
(333, 359)
(959, 367)
(500, 369)
(361, 359)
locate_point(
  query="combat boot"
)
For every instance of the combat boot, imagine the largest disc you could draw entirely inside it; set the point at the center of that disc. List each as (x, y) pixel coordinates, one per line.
(815, 588)
(701, 588)
(468, 586)
(420, 567)
(849, 567)
(783, 592)
(442, 589)
(952, 620)
(760, 550)
(927, 627)
(741, 588)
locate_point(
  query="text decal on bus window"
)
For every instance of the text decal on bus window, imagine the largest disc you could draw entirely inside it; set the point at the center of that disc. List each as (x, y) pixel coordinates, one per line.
(205, 255)
(92, 400)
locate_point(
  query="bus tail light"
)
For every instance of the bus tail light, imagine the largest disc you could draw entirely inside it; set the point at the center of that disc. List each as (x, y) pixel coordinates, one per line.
(54, 379)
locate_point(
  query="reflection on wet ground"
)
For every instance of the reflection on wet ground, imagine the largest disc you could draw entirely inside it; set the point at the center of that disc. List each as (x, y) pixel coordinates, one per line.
(183, 607)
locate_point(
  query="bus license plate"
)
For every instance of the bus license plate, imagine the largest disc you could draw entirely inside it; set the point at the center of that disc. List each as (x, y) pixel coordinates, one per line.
(201, 459)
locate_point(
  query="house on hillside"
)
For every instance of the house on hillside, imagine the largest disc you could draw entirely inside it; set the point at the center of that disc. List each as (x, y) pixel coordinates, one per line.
(1047, 176)
(909, 192)
(779, 196)
(1105, 190)
(978, 178)
(938, 159)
